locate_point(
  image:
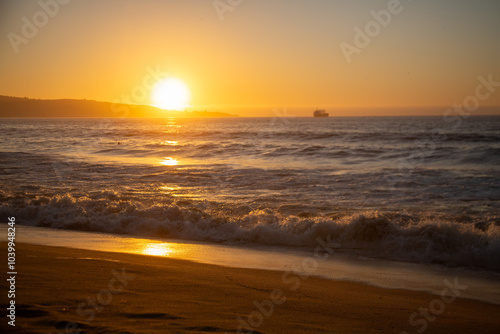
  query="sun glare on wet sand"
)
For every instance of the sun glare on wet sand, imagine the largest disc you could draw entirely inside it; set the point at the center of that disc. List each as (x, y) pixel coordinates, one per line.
(157, 250)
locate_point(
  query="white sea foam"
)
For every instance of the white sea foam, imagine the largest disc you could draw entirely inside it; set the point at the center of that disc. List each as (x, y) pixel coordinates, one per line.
(388, 235)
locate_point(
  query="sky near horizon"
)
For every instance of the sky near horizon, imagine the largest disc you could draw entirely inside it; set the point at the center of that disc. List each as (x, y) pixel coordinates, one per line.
(256, 56)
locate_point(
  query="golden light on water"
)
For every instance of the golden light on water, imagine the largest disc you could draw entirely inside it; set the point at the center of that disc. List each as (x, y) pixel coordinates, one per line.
(157, 250)
(170, 188)
(169, 162)
(170, 143)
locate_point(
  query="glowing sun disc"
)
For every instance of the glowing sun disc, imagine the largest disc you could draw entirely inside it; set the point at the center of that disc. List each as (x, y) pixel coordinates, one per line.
(170, 94)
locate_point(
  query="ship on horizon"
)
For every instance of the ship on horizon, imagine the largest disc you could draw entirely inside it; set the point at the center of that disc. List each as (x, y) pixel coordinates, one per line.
(321, 113)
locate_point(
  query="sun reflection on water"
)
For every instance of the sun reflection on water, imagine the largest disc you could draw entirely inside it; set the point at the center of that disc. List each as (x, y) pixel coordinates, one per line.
(170, 143)
(172, 188)
(169, 162)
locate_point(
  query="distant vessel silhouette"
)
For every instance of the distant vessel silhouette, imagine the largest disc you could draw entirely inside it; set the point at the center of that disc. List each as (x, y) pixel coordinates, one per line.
(320, 113)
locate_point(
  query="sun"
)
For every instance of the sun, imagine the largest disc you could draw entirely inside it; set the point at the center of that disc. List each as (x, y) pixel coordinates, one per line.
(170, 94)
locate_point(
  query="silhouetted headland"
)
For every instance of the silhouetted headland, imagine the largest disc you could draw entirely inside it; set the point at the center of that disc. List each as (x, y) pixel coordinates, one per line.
(26, 107)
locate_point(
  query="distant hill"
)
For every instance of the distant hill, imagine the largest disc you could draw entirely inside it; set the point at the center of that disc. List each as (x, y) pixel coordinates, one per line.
(25, 107)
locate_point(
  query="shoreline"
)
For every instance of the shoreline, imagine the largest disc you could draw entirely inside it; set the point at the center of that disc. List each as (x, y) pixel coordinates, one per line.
(482, 286)
(149, 294)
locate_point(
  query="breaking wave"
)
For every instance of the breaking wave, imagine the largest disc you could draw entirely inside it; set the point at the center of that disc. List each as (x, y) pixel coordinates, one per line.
(450, 241)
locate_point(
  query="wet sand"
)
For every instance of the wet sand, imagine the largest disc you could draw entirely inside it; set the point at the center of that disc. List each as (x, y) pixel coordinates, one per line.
(63, 290)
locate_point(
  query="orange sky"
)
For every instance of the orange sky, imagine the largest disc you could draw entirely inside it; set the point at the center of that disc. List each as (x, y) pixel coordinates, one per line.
(264, 55)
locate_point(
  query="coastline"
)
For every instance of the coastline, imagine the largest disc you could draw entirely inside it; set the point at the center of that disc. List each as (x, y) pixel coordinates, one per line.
(148, 294)
(333, 263)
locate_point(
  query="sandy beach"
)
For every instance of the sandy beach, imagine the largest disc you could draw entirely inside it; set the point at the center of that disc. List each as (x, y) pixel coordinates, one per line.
(62, 290)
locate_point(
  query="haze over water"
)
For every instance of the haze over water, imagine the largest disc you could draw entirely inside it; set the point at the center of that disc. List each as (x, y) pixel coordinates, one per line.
(405, 188)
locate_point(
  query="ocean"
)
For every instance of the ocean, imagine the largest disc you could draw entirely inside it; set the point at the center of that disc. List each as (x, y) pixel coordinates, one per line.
(410, 189)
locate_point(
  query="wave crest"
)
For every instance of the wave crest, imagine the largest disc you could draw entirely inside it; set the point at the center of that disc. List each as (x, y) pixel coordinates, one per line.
(389, 235)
